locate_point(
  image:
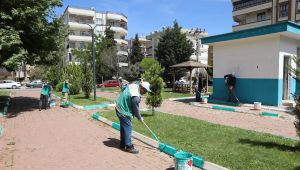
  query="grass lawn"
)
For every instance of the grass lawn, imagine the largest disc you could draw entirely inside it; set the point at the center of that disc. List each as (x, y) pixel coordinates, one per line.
(167, 93)
(80, 100)
(230, 147)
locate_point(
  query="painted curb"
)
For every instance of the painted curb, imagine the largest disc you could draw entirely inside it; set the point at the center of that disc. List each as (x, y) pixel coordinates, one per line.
(1, 130)
(230, 109)
(269, 114)
(197, 160)
(90, 107)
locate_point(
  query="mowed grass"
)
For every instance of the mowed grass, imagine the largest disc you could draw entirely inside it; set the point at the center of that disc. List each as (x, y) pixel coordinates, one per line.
(80, 100)
(168, 93)
(230, 147)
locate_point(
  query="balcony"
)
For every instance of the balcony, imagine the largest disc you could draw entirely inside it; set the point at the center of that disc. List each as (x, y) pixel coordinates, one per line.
(122, 53)
(247, 4)
(243, 26)
(119, 30)
(80, 38)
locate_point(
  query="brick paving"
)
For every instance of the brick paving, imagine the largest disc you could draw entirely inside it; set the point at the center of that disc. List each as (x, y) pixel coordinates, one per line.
(66, 139)
(272, 125)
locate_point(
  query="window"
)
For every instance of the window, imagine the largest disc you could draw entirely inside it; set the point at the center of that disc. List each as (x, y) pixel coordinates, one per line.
(283, 10)
(298, 6)
(70, 57)
(261, 16)
(98, 21)
(81, 45)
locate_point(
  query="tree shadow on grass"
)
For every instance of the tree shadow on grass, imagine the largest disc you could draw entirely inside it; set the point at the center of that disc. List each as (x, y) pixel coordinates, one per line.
(186, 100)
(112, 142)
(269, 145)
(22, 104)
(297, 168)
(147, 115)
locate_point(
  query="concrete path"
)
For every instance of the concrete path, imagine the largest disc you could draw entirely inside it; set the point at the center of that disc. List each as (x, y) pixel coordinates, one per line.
(271, 125)
(66, 139)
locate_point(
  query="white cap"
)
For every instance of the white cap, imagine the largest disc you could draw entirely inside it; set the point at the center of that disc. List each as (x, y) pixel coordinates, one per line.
(146, 86)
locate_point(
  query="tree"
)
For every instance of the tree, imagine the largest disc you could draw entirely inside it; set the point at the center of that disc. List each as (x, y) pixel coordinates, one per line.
(38, 72)
(173, 48)
(106, 55)
(136, 54)
(84, 57)
(74, 74)
(152, 75)
(146, 63)
(130, 73)
(29, 32)
(296, 73)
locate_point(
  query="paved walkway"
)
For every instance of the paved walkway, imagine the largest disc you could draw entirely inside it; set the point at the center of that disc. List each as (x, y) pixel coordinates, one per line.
(277, 126)
(65, 139)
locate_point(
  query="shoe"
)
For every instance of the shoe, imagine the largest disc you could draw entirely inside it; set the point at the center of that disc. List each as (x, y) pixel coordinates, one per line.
(132, 150)
(122, 147)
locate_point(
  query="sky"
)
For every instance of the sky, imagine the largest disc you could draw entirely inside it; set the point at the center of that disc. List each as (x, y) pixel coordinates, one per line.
(145, 16)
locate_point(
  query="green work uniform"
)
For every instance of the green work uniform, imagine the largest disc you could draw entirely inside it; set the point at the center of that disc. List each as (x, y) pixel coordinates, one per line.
(46, 90)
(66, 87)
(124, 103)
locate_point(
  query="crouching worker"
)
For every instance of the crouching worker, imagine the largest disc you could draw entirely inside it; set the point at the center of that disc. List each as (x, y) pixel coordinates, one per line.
(127, 106)
(45, 96)
(65, 91)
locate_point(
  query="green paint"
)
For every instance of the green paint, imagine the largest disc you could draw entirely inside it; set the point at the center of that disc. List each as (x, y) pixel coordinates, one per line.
(96, 116)
(100, 106)
(116, 126)
(224, 108)
(1, 130)
(269, 114)
(167, 149)
(198, 161)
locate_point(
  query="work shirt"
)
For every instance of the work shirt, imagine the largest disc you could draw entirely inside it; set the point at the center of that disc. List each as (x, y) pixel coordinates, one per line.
(129, 100)
(46, 90)
(230, 79)
(66, 87)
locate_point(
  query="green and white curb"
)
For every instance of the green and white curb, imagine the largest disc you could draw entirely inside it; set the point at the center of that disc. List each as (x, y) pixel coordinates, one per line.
(1, 130)
(169, 150)
(99, 106)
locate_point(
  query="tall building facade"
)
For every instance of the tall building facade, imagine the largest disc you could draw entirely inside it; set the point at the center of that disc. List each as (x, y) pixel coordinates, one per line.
(194, 35)
(144, 43)
(77, 20)
(256, 13)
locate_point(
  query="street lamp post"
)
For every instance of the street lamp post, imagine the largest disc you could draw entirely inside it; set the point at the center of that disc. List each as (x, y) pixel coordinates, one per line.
(93, 56)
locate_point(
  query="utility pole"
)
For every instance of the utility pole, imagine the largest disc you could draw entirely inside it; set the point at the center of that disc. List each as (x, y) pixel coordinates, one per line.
(93, 56)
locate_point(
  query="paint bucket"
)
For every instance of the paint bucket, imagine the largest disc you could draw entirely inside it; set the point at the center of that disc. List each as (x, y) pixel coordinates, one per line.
(204, 100)
(257, 105)
(183, 161)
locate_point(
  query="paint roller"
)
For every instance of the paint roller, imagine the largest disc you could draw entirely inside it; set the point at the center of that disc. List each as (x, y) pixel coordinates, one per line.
(152, 133)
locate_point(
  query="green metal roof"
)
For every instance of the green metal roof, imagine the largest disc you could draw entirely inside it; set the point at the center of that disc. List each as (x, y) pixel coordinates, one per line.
(287, 26)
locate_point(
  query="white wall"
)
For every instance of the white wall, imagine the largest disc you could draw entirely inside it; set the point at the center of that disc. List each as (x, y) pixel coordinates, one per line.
(249, 58)
(288, 47)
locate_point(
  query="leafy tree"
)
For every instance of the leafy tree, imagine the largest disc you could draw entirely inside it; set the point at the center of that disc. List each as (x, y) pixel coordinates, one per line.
(29, 32)
(296, 73)
(73, 72)
(136, 54)
(53, 74)
(146, 63)
(84, 57)
(152, 75)
(173, 48)
(130, 73)
(106, 56)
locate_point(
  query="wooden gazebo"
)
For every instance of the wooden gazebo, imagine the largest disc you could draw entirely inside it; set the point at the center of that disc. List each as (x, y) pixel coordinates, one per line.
(190, 65)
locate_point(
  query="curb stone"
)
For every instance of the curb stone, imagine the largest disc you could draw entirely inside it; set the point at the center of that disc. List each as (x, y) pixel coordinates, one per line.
(198, 160)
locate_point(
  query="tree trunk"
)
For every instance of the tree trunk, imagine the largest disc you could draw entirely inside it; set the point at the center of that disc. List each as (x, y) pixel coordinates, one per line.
(153, 111)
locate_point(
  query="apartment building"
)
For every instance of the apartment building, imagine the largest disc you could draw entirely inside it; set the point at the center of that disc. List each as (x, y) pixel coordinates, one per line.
(78, 21)
(255, 13)
(194, 35)
(144, 43)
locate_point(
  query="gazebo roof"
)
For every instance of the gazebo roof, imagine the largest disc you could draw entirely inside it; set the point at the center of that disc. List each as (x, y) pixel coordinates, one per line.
(190, 64)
